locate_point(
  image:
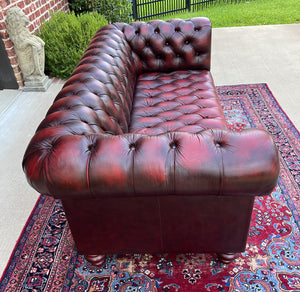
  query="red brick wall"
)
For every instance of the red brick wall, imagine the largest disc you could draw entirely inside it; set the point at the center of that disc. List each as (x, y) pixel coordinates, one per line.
(37, 11)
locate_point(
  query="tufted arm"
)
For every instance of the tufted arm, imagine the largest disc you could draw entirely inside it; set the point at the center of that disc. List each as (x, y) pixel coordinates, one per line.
(214, 162)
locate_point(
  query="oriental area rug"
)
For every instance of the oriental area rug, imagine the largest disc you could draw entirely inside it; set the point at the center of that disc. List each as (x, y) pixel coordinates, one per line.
(46, 259)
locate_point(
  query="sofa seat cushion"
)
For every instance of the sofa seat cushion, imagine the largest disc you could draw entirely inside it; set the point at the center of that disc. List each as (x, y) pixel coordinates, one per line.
(177, 101)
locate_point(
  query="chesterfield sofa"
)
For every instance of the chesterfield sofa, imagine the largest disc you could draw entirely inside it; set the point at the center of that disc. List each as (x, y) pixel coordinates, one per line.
(137, 148)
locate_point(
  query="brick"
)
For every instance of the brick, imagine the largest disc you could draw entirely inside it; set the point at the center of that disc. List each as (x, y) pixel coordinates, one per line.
(2, 25)
(4, 34)
(11, 52)
(3, 4)
(8, 43)
(31, 27)
(27, 10)
(14, 61)
(16, 69)
(21, 4)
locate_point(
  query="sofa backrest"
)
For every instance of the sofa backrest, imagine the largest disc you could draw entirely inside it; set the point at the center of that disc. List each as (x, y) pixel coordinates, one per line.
(170, 45)
(98, 95)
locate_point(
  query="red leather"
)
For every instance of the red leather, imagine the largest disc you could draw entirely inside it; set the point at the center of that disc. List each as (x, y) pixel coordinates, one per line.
(184, 101)
(170, 45)
(138, 126)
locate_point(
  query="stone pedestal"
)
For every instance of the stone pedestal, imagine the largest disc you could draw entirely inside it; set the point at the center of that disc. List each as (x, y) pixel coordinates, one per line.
(37, 84)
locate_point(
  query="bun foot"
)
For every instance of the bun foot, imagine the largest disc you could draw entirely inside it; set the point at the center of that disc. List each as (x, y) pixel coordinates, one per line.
(96, 260)
(227, 258)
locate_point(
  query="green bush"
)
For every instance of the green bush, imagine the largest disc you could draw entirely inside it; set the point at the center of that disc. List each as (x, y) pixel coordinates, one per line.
(66, 37)
(113, 10)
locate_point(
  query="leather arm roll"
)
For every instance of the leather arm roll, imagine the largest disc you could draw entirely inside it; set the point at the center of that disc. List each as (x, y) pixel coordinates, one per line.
(213, 162)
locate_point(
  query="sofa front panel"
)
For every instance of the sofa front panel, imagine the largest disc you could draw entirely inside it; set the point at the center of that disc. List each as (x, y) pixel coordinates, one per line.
(205, 223)
(159, 224)
(114, 225)
(171, 45)
(183, 101)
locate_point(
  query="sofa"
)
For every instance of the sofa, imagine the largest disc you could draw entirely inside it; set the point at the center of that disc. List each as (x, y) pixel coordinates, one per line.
(137, 148)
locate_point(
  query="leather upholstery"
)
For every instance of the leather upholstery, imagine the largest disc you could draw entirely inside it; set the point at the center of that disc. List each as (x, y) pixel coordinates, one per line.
(170, 45)
(139, 123)
(183, 101)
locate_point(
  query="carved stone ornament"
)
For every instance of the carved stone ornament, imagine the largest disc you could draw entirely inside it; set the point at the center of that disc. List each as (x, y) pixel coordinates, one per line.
(29, 49)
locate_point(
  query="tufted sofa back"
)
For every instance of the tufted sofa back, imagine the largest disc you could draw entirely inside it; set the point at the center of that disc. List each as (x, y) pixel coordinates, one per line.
(98, 96)
(170, 45)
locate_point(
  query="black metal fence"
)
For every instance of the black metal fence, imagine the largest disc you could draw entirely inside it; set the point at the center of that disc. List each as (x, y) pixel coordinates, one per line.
(147, 9)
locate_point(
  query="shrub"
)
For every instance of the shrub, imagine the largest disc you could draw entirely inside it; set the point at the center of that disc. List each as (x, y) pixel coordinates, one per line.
(113, 10)
(66, 37)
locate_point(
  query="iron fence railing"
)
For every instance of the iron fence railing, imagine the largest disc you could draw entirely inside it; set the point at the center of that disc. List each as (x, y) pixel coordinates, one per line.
(147, 9)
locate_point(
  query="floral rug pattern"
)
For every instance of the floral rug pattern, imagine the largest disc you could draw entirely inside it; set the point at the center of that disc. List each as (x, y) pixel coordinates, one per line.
(45, 258)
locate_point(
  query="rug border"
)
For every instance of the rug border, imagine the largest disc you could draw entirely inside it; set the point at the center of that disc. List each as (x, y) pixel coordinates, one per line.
(272, 96)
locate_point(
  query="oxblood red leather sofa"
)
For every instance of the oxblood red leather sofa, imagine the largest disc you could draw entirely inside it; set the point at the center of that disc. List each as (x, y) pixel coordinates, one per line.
(137, 148)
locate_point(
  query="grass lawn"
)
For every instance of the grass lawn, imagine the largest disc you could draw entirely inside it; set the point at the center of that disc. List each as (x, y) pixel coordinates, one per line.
(251, 12)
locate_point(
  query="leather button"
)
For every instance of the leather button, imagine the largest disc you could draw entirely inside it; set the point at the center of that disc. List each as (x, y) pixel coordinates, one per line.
(132, 146)
(173, 144)
(218, 144)
(91, 147)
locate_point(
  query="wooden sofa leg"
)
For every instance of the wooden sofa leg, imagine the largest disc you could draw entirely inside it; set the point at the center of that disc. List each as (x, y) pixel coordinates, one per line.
(227, 258)
(96, 260)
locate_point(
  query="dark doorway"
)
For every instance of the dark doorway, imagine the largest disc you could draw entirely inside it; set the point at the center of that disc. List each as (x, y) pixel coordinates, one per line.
(7, 76)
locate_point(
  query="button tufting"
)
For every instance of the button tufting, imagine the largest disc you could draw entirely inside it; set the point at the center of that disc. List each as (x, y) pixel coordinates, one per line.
(156, 30)
(177, 29)
(173, 144)
(91, 147)
(187, 42)
(197, 28)
(132, 146)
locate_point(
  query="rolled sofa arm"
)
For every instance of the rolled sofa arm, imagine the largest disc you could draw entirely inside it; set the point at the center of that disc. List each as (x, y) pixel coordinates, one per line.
(213, 162)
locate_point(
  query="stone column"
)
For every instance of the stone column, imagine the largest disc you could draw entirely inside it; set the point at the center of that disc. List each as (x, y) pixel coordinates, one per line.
(29, 49)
